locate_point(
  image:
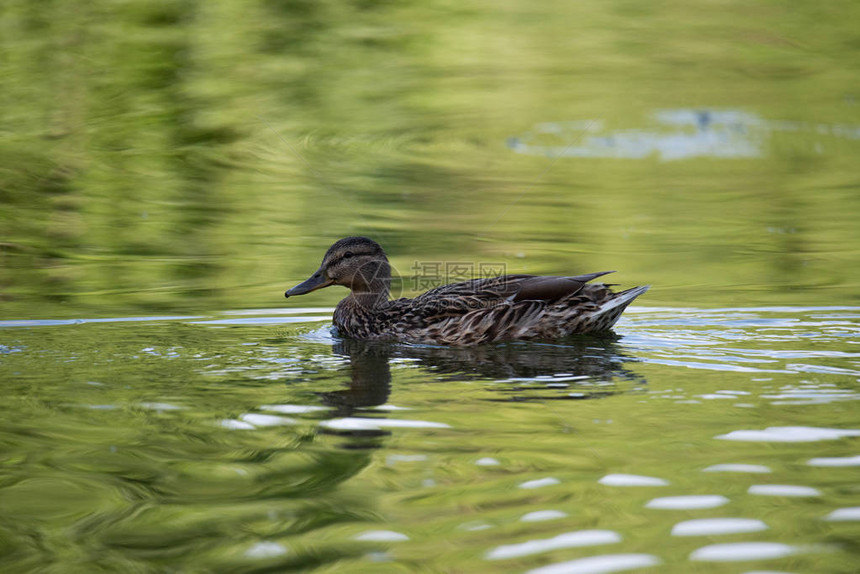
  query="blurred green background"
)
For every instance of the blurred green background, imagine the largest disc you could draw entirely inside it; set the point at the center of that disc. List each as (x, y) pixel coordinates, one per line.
(186, 155)
(196, 157)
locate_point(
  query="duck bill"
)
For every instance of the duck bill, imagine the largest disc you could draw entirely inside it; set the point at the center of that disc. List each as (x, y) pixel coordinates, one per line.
(316, 281)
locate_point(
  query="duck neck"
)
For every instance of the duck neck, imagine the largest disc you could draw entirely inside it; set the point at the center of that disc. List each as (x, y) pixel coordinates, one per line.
(372, 297)
(354, 315)
(371, 285)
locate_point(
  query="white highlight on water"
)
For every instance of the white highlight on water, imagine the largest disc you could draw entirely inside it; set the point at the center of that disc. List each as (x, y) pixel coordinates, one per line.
(265, 550)
(381, 536)
(359, 423)
(783, 490)
(540, 482)
(487, 461)
(566, 540)
(740, 551)
(632, 480)
(599, 564)
(233, 424)
(160, 407)
(715, 526)
(542, 515)
(738, 467)
(835, 461)
(475, 526)
(851, 513)
(259, 420)
(789, 434)
(689, 502)
(293, 409)
(807, 396)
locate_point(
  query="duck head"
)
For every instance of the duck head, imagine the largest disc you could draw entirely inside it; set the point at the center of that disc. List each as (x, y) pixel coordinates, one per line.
(358, 263)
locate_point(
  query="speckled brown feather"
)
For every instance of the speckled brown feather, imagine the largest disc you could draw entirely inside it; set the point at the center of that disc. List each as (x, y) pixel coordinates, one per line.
(506, 308)
(484, 311)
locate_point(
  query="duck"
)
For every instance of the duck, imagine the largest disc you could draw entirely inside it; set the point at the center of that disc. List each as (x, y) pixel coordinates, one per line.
(487, 310)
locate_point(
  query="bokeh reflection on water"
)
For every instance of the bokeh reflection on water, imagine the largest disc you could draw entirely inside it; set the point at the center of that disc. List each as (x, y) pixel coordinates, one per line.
(214, 445)
(676, 135)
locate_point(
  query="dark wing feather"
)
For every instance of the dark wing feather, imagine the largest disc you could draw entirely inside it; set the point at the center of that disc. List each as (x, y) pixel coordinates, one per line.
(551, 289)
(547, 288)
(458, 298)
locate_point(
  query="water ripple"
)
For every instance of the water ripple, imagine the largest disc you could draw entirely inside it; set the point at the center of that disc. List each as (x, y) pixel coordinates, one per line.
(789, 434)
(742, 551)
(600, 564)
(688, 502)
(566, 540)
(716, 526)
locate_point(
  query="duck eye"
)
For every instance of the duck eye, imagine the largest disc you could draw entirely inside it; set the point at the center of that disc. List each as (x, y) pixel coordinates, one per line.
(347, 255)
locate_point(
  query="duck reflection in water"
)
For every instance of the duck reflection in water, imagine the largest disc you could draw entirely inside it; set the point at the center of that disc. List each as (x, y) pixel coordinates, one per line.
(524, 370)
(370, 376)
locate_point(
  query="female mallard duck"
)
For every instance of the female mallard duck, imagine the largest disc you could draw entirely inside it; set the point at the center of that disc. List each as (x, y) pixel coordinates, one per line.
(505, 308)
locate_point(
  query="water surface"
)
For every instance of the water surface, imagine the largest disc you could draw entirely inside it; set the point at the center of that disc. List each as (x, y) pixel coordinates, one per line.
(248, 442)
(168, 169)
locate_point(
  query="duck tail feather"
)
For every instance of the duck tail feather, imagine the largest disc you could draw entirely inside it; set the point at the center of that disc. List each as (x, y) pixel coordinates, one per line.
(624, 298)
(589, 276)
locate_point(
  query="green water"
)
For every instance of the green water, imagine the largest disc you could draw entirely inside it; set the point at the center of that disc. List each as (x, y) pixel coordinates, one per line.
(168, 169)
